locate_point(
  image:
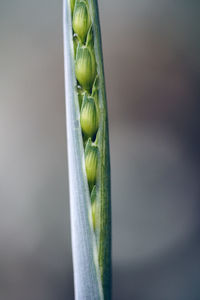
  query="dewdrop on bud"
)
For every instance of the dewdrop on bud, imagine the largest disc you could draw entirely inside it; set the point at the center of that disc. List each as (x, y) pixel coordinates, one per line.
(91, 161)
(81, 20)
(89, 117)
(85, 67)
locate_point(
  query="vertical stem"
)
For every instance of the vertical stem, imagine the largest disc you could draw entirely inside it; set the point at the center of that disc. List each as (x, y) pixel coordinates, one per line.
(91, 245)
(86, 279)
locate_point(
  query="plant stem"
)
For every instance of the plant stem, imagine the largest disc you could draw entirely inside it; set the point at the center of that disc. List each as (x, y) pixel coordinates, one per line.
(91, 240)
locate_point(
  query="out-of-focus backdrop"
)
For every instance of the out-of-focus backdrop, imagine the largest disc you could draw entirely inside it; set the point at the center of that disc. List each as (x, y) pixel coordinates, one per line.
(152, 66)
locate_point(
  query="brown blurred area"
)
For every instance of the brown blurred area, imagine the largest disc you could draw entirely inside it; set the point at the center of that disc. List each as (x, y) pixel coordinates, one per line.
(152, 65)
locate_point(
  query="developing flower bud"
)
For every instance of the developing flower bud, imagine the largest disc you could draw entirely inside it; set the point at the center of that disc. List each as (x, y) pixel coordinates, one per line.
(91, 161)
(89, 117)
(85, 67)
(81, 20)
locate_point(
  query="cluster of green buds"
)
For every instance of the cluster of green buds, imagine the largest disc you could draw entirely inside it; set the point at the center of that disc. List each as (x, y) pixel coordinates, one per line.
(88, 67)
(85, 64)
(87, 90)
(85, 71)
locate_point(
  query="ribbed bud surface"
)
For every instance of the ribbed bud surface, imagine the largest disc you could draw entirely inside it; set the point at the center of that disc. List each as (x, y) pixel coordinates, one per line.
(81, 20)
(85, 67)
(88, 117)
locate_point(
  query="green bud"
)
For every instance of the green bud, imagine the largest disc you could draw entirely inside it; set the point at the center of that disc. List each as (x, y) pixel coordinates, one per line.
(89, 117)
(85, 67)
(81, 20)
(91, 162)
(72, 2)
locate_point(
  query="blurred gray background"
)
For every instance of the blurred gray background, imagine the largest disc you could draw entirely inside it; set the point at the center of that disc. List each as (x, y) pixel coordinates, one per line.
(152, 65)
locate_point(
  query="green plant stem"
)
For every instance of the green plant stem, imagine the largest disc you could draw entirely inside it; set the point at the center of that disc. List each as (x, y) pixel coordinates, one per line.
(91, 246)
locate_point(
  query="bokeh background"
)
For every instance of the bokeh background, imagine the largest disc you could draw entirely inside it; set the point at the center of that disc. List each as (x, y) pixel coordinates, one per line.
(152, 66)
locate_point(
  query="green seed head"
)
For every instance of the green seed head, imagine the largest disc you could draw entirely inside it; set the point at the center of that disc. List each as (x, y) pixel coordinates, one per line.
(88, 117)
(85, 67)
(91, 161)
(81, 20)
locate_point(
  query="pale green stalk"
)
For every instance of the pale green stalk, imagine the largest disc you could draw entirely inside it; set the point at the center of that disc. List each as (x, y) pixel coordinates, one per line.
(88, 150)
